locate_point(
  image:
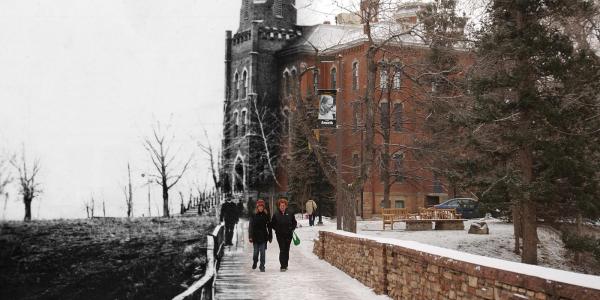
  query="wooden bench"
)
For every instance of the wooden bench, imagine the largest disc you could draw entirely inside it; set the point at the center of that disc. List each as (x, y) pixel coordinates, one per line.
(441, 219)
(393, 215)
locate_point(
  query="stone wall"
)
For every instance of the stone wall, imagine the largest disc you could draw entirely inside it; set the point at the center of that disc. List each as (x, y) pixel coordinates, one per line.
(408, 273)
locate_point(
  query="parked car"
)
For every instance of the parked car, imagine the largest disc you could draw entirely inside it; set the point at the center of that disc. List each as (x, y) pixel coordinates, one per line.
(467, 207)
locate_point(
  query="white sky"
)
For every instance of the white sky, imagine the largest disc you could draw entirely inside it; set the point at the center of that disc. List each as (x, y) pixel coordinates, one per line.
(81, 82)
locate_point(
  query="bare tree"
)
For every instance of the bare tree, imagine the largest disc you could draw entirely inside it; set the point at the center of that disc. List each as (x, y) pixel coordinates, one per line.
(159, 148)
(377, 38)
(127, 190)
(212, 157)
(5, 173)
(29, 188)
(5, 178)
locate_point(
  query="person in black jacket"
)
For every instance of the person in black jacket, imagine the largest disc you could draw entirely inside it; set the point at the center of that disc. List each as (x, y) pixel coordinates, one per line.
(284, 224)
(229, 214)
(259, 233)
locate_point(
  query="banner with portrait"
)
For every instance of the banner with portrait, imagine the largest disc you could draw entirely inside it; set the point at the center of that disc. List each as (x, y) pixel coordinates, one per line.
(327, 108)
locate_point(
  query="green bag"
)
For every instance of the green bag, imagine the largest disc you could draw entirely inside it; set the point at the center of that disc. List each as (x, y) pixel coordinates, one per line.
(296, 239)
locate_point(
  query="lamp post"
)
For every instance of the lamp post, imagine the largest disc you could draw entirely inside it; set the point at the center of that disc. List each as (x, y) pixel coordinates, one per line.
(319, 208)
(148, 184)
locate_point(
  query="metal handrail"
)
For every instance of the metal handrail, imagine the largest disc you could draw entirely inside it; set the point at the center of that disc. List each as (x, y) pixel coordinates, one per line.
(203, 289)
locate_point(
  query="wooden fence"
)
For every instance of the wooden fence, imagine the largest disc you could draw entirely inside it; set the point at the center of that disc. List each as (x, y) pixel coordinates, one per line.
(204, 289)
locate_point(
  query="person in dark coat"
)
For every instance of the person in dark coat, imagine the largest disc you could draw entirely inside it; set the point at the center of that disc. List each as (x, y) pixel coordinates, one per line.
(284, 224)
(259, 233)
(229, 215)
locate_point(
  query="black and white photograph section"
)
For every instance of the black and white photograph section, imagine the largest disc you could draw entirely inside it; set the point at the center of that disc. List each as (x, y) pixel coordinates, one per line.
(327, 109)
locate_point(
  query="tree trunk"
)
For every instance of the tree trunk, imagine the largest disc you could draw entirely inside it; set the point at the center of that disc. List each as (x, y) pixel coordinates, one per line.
(530, 238)
(165, 190)
(27, 209)
(516, 215)
(579, 233)
(349, 198)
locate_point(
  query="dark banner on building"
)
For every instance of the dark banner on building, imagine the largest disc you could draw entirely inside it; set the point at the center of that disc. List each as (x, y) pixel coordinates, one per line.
(327, 108)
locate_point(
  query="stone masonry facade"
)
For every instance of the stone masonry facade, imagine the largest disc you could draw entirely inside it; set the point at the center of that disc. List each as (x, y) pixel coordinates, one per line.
(404, 273)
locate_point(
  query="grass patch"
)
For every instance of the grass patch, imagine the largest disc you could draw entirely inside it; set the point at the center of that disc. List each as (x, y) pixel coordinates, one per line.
(104, 258)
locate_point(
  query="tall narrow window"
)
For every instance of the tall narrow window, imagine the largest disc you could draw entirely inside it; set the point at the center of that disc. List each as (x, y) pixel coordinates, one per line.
(437, 185)
(383, 79)
(356, 164)
(316, 80)
(398, 111)
(286, 83)
(278, 8)
(236, 86)
(293, 81)
(356, 112)
(243, 133)
(246, 8)
(397, 79)
(245, 84)
(385, 114)
(235, 124)
(398, 165)
(333, 79)
(355, 76)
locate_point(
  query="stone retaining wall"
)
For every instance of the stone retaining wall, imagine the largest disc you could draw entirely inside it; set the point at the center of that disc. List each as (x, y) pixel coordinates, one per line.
(406, 273)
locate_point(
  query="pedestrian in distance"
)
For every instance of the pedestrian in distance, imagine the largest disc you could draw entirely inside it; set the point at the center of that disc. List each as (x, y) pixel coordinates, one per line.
(311, 209)
(240, 207)
(284, 224)
(229, 215)
(259, 233)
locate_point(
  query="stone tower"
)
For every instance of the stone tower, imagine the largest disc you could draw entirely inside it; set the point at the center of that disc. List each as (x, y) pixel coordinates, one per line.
(251, 84)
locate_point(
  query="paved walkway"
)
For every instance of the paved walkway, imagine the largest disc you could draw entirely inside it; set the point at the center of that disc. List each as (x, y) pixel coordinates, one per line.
(307, 276)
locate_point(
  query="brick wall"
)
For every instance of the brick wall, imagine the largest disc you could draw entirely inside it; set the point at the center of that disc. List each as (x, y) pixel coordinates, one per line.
(407, 273)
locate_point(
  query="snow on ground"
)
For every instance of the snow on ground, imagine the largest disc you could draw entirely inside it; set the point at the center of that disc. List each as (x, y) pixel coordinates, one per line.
(308, 277)
(498, 246)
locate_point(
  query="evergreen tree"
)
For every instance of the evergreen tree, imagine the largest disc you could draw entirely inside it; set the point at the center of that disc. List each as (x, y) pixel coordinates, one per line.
(532, 126)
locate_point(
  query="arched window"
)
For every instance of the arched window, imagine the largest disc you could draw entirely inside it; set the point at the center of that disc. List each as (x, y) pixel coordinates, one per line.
(355, 76)
(244, 123)
(236, 86)
(278, 8)
(333, 78)
(397, 79)
(293, 79)
(383, 79)
(235, 123)
(245, 84)
(286, 83)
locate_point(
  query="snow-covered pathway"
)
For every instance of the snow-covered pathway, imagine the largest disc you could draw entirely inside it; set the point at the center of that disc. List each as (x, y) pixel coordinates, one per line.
(308, 277)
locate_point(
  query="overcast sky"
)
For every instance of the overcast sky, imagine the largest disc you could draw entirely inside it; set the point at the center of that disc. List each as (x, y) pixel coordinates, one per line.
(81, 82)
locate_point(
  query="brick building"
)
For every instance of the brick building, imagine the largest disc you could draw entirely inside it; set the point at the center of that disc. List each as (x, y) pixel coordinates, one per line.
(261, 58)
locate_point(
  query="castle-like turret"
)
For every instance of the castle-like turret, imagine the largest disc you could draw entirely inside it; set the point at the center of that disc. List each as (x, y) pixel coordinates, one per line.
(271, 13)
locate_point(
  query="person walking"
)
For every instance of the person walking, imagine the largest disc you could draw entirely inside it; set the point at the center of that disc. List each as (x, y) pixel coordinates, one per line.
(259, 233)
(229, 214)
(284, 224)
(311, 209)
